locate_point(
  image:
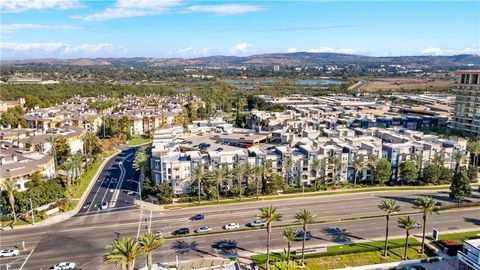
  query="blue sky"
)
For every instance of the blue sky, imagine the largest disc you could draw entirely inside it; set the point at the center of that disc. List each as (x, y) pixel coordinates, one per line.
(182, 28)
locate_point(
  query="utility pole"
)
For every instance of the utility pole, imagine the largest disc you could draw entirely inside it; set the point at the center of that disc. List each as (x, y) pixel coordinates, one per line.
(150, 223)
(31, 209)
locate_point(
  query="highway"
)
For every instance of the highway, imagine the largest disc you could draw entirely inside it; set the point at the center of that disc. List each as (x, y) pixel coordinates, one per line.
(82, 238)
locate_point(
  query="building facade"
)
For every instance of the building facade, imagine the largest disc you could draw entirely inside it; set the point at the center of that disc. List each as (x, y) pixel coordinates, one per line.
(467, 102)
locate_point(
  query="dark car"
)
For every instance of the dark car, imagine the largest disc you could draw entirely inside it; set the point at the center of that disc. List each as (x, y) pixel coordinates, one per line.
(411, 267)
(181, 231)
(226, 245)
(198, 217)
(299, 236)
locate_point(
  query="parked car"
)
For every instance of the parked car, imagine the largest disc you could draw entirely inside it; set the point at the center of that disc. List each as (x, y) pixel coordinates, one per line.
(198, 217)
(417, 225)
(103, 205)
(181, 231)
(258, 223)
(299, 236)
(203, 229)
(219, 149)
(410, 267)
(226, 245)
(231, 226)
(9, 252)
(158, 232)
(86, 205)
(64, 266)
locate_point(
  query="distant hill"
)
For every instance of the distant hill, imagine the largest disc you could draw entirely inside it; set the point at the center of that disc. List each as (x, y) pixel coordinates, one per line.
(295, 59)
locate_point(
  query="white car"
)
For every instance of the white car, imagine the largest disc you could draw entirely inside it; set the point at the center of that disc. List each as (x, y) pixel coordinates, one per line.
(258, 223)
(203, 229)
(9, 252)
(158, 233)
(63, 266)
(104, 205)
(231, 226)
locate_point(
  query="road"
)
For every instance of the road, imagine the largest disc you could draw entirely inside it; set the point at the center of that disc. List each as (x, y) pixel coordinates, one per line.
(83, 238)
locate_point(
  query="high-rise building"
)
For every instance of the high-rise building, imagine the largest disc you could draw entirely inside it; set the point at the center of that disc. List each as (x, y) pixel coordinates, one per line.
(467, 102)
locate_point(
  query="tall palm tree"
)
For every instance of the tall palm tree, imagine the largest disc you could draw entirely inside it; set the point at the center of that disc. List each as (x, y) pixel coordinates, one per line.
(123, 252)
(89, 141)
(473, 147)
(141, 162)
(53, 140)
(219, 175)
(257, 175)
(269, 214)
(149, 242)
(198, 174)
(389, 207)
(69, 167)
(240, 171)
(288, 164)
(337, 165)
(289, 234)
(357, 165)
(373, 164)
(316, 163)
(426, 205)
(266, 171)
(459, 157)
(304, 217)
(407, 224)
(417, 158)
(9, 186)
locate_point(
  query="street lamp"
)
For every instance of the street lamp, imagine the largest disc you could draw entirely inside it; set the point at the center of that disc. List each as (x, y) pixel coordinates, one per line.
(139, 190)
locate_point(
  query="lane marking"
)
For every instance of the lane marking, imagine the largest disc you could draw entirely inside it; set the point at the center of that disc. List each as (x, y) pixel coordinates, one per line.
(28, 257)
(114, 200)
(140, 223)
(93, 200)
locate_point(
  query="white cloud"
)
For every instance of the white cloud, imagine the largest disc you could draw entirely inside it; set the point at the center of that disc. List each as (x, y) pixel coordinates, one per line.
(473, 50)
(189, 52)
(433, 51)
(222, 10)
(11, 28)
(242, 48)
(56, 49)
(292, 50)
(332, 50)
(25, 5)
(131, 8)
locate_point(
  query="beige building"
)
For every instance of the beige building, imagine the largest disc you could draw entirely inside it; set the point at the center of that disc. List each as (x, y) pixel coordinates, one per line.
(467, 102)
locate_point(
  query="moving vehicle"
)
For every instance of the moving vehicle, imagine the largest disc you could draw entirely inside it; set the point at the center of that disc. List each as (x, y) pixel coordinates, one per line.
(103, 205)
(258, 223)
(231, 226)
(198, 217)
(410, 267)
(9, 252)
(181, 231)
(87, 205)
(226, 245)
(64, 266)
(203, 229)
(417, 225)
(158, 232)
(299, 236)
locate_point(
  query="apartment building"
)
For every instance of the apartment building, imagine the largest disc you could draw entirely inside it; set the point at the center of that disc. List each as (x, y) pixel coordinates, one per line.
(469, 256)
(467, 103)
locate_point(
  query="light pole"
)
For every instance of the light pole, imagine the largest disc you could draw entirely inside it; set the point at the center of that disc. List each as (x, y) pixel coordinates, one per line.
(31, 209)
(139, 190)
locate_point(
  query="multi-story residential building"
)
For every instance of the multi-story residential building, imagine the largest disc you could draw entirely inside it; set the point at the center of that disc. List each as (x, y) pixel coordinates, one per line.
(469, 256)
(467, 102)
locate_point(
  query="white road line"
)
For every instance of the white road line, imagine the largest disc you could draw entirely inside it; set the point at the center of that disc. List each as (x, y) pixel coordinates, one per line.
(113, 201)
(106, 192)
(93, 200)
(140, 222)
(28, 257)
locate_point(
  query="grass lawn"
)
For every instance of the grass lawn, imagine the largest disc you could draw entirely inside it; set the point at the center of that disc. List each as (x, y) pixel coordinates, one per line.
(458, 236)
(137, 140)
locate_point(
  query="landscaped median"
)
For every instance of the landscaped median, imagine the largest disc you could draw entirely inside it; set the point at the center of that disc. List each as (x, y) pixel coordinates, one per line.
(364, 253)
(307, 194)
(138, 140)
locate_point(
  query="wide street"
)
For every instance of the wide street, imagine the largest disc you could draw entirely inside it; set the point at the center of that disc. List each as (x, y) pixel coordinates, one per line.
(82, 238)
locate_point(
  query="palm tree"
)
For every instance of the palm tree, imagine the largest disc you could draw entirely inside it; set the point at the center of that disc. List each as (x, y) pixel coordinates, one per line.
(239, 171)
(474, 148)
(389, 207)
(69, 168)
(337, 164)
(123, 252)
(417, 158)
(373, 164)
(219, 175)
(89, 140)
(407, 224)
(266, 172)
(149, 242)
(53, 140)
(459, 157)
(288, 164)
(304, 217)
(357, 165)
(426, 205)
(257, 175)
(198, 175)
(269, 214)
(289, 234)
(141, 162)
(77, 161)
(9, 186)
(316, 168)
(439, 159)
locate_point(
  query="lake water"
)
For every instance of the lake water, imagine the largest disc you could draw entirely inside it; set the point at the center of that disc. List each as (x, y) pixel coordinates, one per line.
(316, 82)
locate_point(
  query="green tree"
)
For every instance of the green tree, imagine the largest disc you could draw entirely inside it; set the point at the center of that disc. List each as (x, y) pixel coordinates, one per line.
(473, 146)
(141, 162)
(270, 215)
(426, 205)
(408, 172)
(9, 186)
(316, 163)
(337, 166)
(357, 165)
(123, 252)
(219, 175)
(149, 242)
(90, 143)
(383, 171)
(69, 167)
(239, 171)
(460, 187)
(472, 174)
(198, 174)
(53, 140)
(288, 164)
(289, 234)
(164, 194)
(373, 164)
(389, 207)
(407, 224)
(304, 217)
(432, 174)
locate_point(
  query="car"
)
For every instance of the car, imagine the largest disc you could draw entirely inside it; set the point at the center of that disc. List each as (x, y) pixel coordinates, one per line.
(411, 267)
(87, 205)
(103, 205)
(198, 217)
(64, 266)
(219, 149)
(158, 232)
(181, 231)
(417, 225)
(203, 229)
(299, 236)
(231, 226)
(258, 223)
(9, 252)
(111, 190)
(226, 245)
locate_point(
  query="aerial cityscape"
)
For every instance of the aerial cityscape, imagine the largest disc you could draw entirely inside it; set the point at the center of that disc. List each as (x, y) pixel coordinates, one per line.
(228, 135)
